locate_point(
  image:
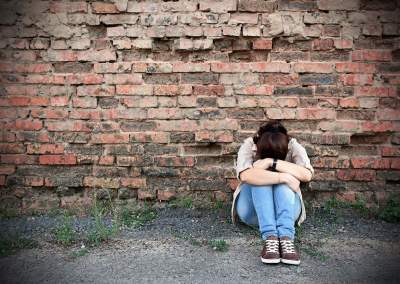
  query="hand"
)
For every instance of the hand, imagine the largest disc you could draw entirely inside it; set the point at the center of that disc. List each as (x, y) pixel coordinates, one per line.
(291, 181)
(263, 163)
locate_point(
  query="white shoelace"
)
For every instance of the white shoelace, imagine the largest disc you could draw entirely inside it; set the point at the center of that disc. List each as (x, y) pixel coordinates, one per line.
(272, 245)
(287, 246)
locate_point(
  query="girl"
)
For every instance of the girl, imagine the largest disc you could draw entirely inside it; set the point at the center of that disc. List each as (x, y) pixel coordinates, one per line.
(270, 167)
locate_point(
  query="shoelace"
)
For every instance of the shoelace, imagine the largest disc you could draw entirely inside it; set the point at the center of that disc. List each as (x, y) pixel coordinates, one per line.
(287, 246)
(272, 245)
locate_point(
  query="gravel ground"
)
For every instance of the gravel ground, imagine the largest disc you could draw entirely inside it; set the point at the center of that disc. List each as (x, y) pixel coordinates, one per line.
(173, 249)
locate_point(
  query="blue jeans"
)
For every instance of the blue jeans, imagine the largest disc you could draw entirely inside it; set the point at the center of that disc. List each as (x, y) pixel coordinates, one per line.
(273, 208)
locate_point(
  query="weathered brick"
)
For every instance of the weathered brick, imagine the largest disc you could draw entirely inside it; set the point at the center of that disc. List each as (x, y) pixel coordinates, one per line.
(68, 159)
(104, 8)
(222, 6)
(338, 5)
(101, 182)
(371, 55)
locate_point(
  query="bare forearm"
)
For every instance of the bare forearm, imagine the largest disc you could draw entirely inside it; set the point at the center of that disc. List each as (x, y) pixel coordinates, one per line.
(258, 176)
(299, 172)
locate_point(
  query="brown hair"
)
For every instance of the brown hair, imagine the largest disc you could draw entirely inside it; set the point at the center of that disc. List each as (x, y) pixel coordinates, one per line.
(272, 141)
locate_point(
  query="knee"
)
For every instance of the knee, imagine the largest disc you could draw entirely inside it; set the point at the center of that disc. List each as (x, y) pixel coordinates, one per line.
(285, 193)
(244, 211)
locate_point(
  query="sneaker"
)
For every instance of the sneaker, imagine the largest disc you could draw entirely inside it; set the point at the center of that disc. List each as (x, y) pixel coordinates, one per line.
(270, 251)
(289, 254)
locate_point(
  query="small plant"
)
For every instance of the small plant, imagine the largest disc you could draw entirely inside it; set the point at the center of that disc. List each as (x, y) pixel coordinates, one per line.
(12, 244)
(65, 233)
(182, 202)
(137, 217)
(81, 252)
(100, 232)
(219, 204)
(391, 212)
(218, 245)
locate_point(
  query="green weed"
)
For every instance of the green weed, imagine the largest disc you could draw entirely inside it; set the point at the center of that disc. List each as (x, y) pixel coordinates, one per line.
(182, 202)
(218, 245)
(79, 253)
(137, 217)
(65, 233)
(100, 232)
(391, 211)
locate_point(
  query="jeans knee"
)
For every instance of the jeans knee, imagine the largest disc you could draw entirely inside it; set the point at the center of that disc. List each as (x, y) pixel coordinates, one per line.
(244, 212)
(285, 194)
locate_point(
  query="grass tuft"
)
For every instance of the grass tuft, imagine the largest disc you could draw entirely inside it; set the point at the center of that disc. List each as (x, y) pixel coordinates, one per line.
(218, 245)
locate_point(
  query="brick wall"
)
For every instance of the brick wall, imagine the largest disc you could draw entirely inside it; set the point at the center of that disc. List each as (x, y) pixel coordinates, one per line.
(151, 99)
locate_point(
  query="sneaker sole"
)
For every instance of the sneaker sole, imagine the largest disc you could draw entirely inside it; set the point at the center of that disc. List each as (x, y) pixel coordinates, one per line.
(264, 260)
(288, 261)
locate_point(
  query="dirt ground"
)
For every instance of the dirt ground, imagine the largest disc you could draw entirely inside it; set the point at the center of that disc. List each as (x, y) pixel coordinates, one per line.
(174, 249)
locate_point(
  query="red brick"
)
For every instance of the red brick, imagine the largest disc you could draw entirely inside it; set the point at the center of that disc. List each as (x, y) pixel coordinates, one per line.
(18, 159)
(110, 138)
(367, 91)
(49, 113)
(84, 102)
(70, 7)
(315, 113)
(381, 126)
(6, 169)
(331, 163)
(322, 44)
(350, 102)
(190, 67)
(357, 79)
(312, 67)
(273, 67)
(230, 67)
(2, 180)
(45, 149)
(395, 163)
(371, 55)
(133, 182)
(96, 91)
(18, 101)
(83, 78)
(388, 114)
(338, 5)
(68, 159)
(106, 160)
(343, 43)
(346, 196)
(262, 44)
(148, 136)
(80, 126)
(168, 90)
(174, 161)
(34, 181)
(28, 124)
(101, 182)
(354, 67)
(104, 8)
(209, 90)
(134, 90)
(164, 195)
(370, 163)
(356, 175)
(144, 194)
(390, 151)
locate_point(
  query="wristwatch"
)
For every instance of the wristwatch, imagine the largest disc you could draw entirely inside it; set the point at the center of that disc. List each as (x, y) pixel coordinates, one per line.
(274, 164)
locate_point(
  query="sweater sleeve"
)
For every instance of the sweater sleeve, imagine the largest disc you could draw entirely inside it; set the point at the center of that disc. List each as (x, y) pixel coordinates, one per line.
(244, 157)
(300, 157)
